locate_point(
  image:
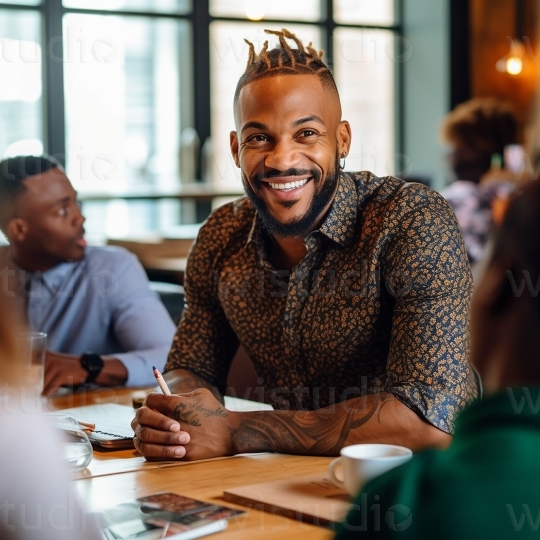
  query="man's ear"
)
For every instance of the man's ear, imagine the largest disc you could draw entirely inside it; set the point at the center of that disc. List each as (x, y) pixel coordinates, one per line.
(344, 137)
(16, 230)
(233, 139)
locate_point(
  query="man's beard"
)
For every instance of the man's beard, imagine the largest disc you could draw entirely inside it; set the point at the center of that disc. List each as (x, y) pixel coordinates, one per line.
(302, 226)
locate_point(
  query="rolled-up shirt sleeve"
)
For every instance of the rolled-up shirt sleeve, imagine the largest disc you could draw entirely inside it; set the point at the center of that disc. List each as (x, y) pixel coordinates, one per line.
(426, 265)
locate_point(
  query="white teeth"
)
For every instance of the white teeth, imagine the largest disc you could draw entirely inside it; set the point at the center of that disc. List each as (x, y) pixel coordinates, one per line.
(289, 185)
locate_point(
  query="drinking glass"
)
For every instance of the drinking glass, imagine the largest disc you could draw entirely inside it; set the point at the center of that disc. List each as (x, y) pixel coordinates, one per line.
(34, 346)
(77, 447)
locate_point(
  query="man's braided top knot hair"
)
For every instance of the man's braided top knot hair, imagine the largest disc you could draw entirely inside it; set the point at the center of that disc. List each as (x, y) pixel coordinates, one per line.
(284, 60)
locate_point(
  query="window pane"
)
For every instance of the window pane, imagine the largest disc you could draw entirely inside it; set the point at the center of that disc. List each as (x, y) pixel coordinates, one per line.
(159, 6)
(379, 12)
(123, 84)
(228, 58)
(21, 129)
(21, 2)
(364, 70)
(126, 103)
(300, 10)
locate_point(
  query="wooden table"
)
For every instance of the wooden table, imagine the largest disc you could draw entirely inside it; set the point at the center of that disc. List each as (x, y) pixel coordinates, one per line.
(203, 480)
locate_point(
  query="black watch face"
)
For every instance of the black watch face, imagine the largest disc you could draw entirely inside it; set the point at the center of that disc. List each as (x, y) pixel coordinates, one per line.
(93, 363)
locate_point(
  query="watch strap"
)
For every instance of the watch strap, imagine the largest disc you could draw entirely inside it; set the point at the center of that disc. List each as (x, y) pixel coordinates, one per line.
(93, 364)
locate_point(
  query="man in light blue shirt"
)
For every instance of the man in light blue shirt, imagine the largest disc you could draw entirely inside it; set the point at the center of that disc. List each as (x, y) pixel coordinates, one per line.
(104, 323)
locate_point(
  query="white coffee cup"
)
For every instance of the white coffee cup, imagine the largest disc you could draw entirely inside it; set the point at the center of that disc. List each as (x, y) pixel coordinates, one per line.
(363, 462)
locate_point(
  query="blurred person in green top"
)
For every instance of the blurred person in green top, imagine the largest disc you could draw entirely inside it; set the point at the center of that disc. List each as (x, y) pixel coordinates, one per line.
(487, 483)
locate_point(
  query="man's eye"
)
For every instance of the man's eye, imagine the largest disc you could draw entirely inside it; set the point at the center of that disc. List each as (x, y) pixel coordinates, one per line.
(64, 211)
(258, 138)
(307, 133)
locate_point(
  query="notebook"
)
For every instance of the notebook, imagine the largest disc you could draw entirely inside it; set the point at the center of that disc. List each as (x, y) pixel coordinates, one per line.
(112, 421)
(163, 515)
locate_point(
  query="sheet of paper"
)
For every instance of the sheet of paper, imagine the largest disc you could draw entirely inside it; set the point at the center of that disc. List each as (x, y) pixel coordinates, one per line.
(245, 405)
(108, 417)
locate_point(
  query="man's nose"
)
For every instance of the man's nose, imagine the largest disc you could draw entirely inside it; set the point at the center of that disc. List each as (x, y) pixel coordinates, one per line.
(79, 219)
(282, 157)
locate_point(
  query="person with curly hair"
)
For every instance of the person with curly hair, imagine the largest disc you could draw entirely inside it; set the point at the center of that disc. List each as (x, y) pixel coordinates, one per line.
(476, 131)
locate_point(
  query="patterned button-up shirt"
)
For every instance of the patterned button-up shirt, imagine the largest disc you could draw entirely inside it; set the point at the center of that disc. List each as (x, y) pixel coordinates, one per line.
(379, 303)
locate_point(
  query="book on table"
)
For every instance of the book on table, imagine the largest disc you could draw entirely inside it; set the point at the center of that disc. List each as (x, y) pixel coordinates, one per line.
(163, 515)
(112, 423)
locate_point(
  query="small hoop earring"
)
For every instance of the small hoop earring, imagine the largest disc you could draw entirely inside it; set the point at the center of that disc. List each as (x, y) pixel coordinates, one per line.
(342, 161)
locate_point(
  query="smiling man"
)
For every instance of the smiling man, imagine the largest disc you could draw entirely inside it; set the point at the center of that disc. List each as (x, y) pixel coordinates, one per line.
(104, 325)
(349, 292)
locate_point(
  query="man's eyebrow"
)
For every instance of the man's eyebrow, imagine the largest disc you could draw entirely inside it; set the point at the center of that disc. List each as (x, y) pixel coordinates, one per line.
(63, 200)
(300, 121)
(312, 118)
(255, 125)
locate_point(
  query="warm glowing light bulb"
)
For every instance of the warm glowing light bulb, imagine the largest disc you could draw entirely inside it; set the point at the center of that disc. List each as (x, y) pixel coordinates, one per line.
(514, 65)
(255, 9)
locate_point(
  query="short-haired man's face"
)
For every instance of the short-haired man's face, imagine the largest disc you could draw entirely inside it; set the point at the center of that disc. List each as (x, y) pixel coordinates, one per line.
(48, 223)
(288, 140)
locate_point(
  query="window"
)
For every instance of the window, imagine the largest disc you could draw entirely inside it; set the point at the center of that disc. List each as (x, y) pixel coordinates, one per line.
(360, 52)
(305, 10)
(126, 97)
(136, 95)
(123, 89)
(368, 12)
(364, 75)
(21, 104)
(157, 6)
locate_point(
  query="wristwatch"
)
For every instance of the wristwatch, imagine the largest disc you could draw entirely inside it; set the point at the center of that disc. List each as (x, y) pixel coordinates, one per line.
(93, 363)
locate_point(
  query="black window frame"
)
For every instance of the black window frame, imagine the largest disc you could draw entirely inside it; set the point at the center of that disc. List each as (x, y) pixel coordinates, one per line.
(200, 19)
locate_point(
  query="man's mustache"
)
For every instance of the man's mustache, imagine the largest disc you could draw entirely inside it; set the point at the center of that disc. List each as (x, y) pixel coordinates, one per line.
(268, 174)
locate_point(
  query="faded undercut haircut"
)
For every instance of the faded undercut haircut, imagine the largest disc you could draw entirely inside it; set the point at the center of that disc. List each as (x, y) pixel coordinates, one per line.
(284, 60)
(13, 172)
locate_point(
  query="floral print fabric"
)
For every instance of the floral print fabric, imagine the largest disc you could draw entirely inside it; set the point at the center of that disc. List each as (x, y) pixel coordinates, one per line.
(379, 303)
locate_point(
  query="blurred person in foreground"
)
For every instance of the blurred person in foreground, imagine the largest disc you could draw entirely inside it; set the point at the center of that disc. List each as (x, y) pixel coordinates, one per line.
(487, 483)
(349, 292)
(104, 324)
(36, 499)
(476, 131)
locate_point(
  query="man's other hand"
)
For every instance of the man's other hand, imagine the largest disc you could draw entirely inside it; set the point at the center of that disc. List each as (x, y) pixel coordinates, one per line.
(62, 370)
(187, 426)
(66, 370)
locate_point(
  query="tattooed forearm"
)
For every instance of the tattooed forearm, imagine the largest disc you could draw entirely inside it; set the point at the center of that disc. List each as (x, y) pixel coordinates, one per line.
(385, 400)
(190, 413)
(275, 432)
(360, 417)
(304, 432)
(251, 437)
(181, 381)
